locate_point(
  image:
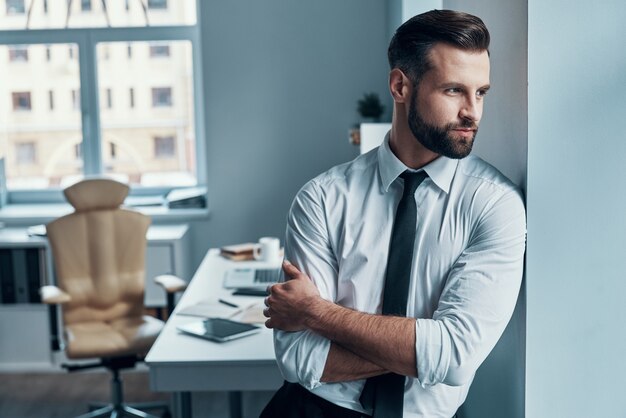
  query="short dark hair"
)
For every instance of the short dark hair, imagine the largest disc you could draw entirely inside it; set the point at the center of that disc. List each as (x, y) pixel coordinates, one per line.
(410, 45)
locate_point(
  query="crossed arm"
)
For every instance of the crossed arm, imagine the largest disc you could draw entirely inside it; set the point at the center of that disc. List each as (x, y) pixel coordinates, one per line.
(338, 344)
(362, 345)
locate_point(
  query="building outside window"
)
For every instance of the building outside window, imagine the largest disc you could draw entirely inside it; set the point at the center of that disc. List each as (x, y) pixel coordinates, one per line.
(159, 50)
(25, 153)
(157, 4)
(161, 97)
(75, 99)
(21, 100)
(95, 138)
(109, 97)
(15, 7)
(164, 147)
(18, 54)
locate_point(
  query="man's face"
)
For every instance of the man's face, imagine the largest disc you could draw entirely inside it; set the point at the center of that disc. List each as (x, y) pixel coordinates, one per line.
(447, 105)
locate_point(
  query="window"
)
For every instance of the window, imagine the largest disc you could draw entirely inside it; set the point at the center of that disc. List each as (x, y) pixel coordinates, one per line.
(18, 54)
(161, 97)
(15, 7)
(109, 96)
(65, 107)
(157, 4)
(159, 51)
(75, 99)
(21, 100)
(25, 153)
(46, 14)
(164, 147)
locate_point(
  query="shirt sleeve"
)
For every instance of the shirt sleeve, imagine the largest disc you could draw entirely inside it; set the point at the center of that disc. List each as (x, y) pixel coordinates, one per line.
(478, 299)
(301, 356)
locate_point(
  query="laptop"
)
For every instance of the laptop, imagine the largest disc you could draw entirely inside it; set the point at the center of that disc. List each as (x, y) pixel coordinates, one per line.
(251, 277)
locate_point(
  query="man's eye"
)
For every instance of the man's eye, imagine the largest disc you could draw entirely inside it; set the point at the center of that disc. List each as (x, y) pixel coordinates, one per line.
(481, 93)
(453, 90)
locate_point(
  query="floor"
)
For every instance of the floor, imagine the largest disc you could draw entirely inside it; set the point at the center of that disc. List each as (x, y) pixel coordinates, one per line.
(64, 395)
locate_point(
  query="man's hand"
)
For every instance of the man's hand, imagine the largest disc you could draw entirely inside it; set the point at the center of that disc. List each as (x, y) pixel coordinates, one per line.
(289, 304)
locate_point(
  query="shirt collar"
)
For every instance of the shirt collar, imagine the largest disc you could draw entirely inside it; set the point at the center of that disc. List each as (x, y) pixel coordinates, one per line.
(441, 170)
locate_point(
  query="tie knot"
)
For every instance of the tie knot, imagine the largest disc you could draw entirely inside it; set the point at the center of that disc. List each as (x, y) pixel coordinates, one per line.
(412, 180)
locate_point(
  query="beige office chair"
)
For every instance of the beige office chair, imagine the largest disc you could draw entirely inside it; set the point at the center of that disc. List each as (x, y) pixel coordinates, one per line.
(99, 256)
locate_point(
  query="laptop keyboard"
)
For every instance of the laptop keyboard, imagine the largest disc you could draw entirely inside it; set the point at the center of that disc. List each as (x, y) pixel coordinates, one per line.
(266, 275)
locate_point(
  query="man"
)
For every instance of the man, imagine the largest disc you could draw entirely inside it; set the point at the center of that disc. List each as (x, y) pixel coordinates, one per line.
(414, 252)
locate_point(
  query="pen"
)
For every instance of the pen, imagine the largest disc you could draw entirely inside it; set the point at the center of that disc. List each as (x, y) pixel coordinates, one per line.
(227, 303)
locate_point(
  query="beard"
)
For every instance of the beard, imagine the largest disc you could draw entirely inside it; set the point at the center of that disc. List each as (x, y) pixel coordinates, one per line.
(438, 139)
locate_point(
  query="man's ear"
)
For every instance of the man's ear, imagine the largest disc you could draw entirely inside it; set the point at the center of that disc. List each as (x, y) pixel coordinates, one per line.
(400, 86)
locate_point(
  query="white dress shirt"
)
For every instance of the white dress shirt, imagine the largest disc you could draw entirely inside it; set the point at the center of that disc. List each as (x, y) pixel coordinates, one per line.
(466, 274)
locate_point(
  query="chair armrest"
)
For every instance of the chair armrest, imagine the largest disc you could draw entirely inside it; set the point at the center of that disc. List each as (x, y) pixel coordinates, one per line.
(171, 283)
(53, 295)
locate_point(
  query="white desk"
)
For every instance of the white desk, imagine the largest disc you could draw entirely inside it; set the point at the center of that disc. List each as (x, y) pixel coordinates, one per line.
(183, 363)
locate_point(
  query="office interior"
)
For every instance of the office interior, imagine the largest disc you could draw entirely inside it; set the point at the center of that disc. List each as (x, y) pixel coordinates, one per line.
(280, 80)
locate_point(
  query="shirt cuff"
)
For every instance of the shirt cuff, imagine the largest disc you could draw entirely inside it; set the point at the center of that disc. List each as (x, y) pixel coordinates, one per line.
(301, 356)
(432, 351)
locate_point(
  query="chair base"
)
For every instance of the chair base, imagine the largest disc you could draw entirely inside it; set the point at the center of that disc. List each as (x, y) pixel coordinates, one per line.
(118, 411)
(117, 408)
(134, 409)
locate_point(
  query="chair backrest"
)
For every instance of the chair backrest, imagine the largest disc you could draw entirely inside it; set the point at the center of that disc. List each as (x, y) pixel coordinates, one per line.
(99, 253)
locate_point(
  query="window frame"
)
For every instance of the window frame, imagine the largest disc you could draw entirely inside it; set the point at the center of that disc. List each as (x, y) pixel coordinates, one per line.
(20, 154)
(16, 97)
(86, 40)
(159, 147)
(9, 12)
(15, 54)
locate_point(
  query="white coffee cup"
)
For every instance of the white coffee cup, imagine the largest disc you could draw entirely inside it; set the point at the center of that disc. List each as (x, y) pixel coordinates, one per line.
(267, 250)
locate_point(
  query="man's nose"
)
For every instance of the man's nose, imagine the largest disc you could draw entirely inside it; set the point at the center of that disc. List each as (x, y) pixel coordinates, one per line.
(471, 110)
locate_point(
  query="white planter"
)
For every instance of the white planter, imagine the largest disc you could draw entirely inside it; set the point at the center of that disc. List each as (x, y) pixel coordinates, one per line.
(372, 135)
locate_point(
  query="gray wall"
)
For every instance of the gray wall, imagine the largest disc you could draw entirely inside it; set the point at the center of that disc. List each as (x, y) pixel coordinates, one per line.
(576, 339)
(498, 390)
(281, 83)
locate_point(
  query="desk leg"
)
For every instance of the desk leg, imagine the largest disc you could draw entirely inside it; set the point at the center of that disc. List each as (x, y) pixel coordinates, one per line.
(184, 402)
(234, 399)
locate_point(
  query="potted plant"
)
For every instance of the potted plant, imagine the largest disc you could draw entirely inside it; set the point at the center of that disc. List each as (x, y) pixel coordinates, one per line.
(370, 107)
(371, 132)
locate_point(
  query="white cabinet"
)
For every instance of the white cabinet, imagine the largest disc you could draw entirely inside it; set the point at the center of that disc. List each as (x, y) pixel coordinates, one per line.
(24, 337)
(167, 253)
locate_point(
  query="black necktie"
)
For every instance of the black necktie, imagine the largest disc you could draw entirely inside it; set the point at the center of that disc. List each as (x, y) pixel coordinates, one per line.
(385, 393)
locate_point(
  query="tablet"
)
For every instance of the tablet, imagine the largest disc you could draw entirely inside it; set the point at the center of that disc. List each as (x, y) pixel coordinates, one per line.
(218, 329)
